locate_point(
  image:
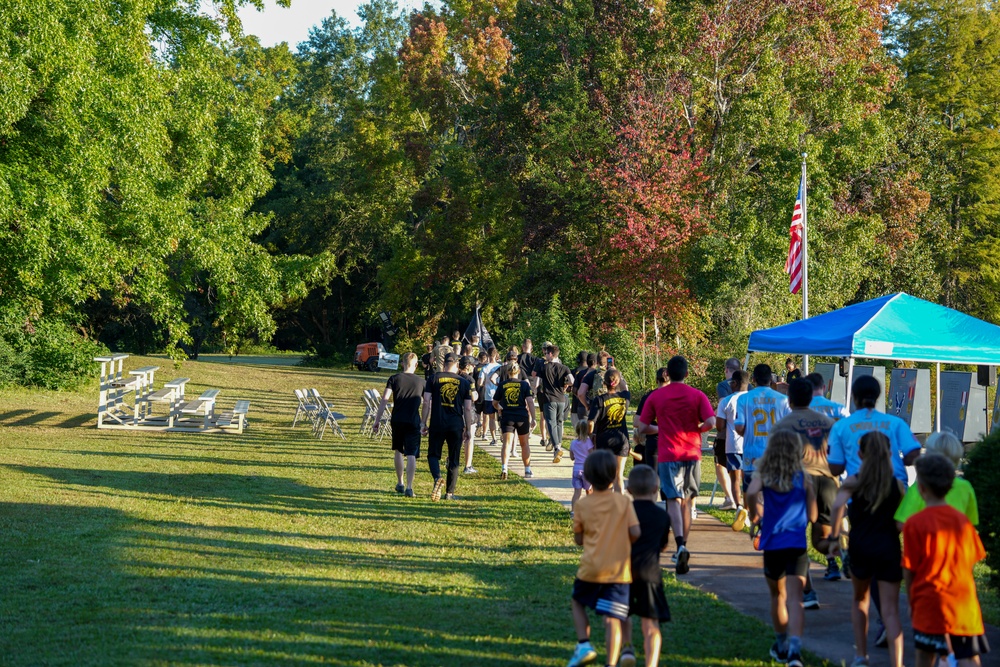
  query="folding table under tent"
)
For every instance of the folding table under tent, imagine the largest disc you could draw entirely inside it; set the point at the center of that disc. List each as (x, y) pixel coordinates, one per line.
(896, 327)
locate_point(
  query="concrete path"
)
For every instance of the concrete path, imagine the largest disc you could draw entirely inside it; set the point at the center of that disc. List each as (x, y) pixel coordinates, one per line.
(724, 563)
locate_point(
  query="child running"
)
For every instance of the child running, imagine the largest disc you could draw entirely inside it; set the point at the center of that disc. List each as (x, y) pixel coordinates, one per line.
(646, 597)
(605, 524)
(579, 450)
(790, 504)
(874, 546)
(940, 548)
(961, 496)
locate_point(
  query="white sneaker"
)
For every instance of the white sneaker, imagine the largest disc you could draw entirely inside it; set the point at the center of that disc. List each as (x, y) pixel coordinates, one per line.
(583, 655)
(728, 505)
(741, 519)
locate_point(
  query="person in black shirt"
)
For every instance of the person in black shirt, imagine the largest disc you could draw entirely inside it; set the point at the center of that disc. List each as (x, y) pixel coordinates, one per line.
(554, 378)
(516, 406)
(427, 362)
(647, 599)
(607, 422)
(528, 362)
(406, 390)
(449, 397)
(575, 411)
(465, 366)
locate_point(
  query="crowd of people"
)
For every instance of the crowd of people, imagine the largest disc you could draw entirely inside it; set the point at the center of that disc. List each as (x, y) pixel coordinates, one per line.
(793, 465)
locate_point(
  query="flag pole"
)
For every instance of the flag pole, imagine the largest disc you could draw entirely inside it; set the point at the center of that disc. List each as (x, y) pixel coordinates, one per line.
(805, 256)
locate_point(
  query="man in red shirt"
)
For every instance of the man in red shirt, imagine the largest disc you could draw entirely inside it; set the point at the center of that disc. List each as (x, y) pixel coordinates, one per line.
(682, 414)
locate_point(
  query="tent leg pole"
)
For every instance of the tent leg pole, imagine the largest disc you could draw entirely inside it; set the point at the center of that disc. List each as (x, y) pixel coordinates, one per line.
(937, 397)
(746, 362)
(805, 364)
(850, 381)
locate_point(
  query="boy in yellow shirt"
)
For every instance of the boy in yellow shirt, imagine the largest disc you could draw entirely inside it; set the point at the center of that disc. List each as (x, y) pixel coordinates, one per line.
(606, 525)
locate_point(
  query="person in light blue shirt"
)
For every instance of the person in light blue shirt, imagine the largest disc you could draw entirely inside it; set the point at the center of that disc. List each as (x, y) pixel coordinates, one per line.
(821, 403)
(846, 433)
(757, 411)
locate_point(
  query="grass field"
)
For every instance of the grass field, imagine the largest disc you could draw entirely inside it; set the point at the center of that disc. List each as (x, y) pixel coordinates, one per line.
(272, 548)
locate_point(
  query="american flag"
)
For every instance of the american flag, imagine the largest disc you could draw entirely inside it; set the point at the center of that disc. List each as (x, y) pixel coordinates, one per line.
(793, 265)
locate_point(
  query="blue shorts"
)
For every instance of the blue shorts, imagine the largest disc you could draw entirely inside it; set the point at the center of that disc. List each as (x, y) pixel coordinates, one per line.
(734, 462)
(606, 599)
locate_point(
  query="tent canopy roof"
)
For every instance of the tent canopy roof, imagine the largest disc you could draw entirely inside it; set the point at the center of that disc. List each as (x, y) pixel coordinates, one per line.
(897, 326)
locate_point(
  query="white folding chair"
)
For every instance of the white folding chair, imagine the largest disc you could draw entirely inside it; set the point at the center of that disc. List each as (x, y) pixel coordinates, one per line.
(306, 407)
(376, 399)
(326, 416)
(368, 419)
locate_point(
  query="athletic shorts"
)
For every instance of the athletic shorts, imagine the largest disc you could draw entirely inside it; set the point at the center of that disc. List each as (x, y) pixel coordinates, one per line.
(647, 600)
(606, 599)
(965, 648)
(747, 478)
(436, 440)
(579, 481)
(680, 479)
(882, 567)
(615, 442)
(826, 493)
(488, 408)
(734, 462)
(479, 407)
(781, 562)
(515, 426)
(719, 449)
(406, 439)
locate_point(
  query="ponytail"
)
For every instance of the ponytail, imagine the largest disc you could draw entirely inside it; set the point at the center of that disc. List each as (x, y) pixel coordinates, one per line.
(876, 476)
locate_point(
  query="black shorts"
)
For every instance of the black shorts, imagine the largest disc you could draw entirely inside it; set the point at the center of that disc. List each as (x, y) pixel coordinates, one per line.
(615, 442)
(881, 567)
(647, 600)
(606, 599)
(406, 439)
(964, 647)
(719, 449)
(779, 563)
(521, 427)
(488, 408)
(436, 440)
(826, 493)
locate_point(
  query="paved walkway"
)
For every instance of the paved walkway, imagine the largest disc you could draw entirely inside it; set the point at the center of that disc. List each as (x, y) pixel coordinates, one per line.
(724, 563)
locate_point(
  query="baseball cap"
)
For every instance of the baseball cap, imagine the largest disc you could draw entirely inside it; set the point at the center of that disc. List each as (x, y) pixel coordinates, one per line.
(450, 358)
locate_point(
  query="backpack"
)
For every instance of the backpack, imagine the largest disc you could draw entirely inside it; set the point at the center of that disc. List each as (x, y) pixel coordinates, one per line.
(598, 387)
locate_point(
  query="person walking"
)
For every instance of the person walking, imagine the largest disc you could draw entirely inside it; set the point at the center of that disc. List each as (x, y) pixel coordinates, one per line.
(528, 362)
(465, 367)
(488, 380)
(722, 391)
(578, 374)
(516, 406)
(406, 390)
(681, 413)
(554, 379)
(820, 403)
(725, 417)
(647, 443)
(757, 411)
(448, 401)
(607, 423)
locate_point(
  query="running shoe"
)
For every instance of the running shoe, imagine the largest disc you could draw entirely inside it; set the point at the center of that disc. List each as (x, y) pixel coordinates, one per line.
(683, 555)
(741, 519)
(881, 636)
(503, 474)
(794, 660)
(583, 655)
(860, 662)
(410, 494)
(471, 471)
(400, 488)
(438, 486)
(810, 600)
(557, 457)
(778, 653)
(627, 658)
(728, 505)
(755, 536)
(528, 474)
(450, 496)
(493, 442)
(694, 513)
(832, 571)
(845, 565)
(673, 558)
(548, 445)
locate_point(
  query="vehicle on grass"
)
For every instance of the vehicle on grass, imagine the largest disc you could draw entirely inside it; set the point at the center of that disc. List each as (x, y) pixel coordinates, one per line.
(373, 356)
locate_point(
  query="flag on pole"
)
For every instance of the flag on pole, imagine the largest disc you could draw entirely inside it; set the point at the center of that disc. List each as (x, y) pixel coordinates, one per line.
(793, 265)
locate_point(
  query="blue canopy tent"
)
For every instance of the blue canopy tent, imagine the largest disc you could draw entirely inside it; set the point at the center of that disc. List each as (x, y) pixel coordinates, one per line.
(897, 326)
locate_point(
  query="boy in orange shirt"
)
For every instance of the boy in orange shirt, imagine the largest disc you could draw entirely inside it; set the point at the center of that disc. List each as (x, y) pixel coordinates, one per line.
(606, 525)
(940, 547)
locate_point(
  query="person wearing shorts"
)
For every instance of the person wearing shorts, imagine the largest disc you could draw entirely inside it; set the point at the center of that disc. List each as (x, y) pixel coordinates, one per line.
(449, 404)
(514, 402)
(814, 429)
(733, 460)
(608, 425)
(406, 390)
(681, 414)
(488, 378)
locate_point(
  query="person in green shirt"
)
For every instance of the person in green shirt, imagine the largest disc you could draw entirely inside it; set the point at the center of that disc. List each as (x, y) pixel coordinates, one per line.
(962, 497)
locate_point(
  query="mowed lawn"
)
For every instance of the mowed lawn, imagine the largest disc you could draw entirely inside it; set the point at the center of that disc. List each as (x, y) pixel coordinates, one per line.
(273, 548)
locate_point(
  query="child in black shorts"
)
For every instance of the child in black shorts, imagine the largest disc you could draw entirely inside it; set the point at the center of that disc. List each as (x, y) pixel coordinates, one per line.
(646, 597)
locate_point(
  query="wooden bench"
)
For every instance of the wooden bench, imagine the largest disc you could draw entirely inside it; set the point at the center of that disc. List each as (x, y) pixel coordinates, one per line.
(165, 395)
(238, 414)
